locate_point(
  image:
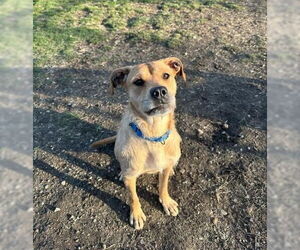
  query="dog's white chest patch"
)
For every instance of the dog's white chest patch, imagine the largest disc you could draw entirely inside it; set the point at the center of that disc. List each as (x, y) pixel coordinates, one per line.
(155, 163)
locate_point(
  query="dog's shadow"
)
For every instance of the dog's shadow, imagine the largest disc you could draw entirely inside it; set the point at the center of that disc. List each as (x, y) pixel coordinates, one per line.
(65, 128)
(113, 176)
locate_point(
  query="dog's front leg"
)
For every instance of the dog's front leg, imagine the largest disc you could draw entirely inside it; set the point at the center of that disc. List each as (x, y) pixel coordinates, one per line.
(170, 206)
(137, 216)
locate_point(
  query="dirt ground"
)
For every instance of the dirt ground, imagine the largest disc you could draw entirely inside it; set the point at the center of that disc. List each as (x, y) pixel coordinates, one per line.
(220, 181)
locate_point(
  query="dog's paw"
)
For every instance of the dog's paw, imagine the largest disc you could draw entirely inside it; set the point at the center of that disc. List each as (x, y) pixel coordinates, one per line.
(137, 218)
(170, 206)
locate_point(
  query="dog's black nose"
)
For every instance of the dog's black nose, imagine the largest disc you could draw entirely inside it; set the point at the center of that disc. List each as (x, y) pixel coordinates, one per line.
(159, 93)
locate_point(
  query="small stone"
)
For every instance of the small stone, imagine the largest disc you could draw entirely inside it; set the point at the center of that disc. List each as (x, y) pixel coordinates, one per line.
(223, 212)
(215, 220)
(182, 171)
(225, 126)
(200, 132)
(63, 183)
(57, 209)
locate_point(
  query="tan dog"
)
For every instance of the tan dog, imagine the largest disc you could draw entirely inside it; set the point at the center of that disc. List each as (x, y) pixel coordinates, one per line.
(147, 140)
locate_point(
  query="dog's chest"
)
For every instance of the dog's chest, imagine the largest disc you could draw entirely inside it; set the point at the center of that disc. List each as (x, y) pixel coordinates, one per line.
(156, 160)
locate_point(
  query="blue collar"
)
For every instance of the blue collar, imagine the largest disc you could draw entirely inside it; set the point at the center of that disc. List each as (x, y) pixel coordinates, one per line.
(139, 133)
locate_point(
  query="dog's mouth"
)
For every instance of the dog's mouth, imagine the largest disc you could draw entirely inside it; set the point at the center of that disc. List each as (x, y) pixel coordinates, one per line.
(157, 109)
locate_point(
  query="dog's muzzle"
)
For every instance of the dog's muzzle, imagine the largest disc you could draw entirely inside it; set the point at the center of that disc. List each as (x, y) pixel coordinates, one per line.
(161, 101)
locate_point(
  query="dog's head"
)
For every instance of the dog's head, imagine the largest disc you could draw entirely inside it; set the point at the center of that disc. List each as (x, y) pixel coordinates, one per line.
(151, 86)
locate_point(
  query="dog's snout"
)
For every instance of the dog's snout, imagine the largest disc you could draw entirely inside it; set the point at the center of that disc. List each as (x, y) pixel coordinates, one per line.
(159, 93)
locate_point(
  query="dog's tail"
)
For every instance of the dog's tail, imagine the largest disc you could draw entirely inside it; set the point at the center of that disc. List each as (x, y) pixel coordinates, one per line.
(108, 140)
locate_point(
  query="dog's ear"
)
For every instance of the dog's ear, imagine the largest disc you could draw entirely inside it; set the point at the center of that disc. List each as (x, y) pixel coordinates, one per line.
(118, 77)
(177, 65)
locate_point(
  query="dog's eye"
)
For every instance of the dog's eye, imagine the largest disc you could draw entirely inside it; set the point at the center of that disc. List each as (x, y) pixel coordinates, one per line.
(139, 82)
(166, 76)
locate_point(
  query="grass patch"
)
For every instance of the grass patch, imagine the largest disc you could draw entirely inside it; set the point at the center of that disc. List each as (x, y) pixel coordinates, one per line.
(209, 2)
(230, 5)
(178, 5)
(113, 23)
(59, 26)
(175, 40)
(161, 20)
(221, 3)
(172, 41)
(59, 42)
(136, 22)
(145, 36)
(62, 26)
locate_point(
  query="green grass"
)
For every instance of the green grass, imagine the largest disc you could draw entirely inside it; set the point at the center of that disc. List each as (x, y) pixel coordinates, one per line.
(61, 27)
(230, 5)
(175, 40)
(136, 21)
